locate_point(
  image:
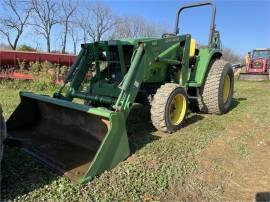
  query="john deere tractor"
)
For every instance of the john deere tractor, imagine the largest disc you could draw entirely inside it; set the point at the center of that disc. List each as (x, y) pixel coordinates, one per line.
(83, 139)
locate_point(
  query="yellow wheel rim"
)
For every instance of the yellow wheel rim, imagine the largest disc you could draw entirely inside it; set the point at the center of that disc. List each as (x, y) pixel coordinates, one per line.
(226, 88)
(178, 109)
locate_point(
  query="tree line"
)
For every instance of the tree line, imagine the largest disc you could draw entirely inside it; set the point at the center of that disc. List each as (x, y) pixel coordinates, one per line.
(76, 23)
(94, 21)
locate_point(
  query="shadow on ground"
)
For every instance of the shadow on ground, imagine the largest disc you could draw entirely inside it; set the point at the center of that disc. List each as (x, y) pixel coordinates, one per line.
(140, 128)
(21, 174)
(192, 118)
(263, 197)
(237, 101)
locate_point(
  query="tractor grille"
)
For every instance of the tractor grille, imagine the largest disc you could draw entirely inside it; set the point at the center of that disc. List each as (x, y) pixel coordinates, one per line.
(257, 65)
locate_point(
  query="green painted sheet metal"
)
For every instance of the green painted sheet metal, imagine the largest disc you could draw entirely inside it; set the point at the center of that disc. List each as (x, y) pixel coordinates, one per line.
(132, 41)
(205, 57)
(106, 89)
(113, 149)
(185, 70)
(97, 111)
(159, 53)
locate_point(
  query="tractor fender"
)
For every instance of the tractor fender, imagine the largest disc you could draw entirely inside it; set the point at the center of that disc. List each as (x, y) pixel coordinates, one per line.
(205, 58)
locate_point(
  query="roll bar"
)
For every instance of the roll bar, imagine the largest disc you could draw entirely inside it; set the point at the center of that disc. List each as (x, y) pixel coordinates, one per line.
(205, 3)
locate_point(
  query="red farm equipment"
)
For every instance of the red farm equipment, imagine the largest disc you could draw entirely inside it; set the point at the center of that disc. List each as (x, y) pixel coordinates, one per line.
(258, 68)
(10, 61)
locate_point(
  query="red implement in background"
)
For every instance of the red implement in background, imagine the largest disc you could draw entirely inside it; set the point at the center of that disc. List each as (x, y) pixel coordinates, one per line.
(10, 58)
(258, 68)
(16, 75)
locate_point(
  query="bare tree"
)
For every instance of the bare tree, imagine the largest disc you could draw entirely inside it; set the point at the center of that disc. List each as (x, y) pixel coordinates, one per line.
(96, 22)
(231, 56)
(104, 21)
(68, 10)
(134, 26)
(84, 24)
(13, 23)
(74, 33)
(45, 18)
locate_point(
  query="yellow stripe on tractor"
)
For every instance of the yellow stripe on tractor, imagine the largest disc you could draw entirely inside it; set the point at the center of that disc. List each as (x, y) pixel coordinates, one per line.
(192, 47)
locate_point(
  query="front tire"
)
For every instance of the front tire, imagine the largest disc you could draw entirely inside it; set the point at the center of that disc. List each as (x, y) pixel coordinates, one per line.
(169, 107)
(217, 92)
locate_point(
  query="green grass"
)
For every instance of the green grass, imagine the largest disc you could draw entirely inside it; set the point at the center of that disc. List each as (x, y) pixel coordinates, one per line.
(158, 162)
(242, 149)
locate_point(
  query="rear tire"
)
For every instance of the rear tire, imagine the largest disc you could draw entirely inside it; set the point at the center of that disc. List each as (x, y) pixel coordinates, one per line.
(217, 92)
(169, 107)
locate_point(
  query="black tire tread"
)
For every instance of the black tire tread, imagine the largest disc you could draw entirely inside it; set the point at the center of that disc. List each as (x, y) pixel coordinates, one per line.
(158, 105)
(209, 102)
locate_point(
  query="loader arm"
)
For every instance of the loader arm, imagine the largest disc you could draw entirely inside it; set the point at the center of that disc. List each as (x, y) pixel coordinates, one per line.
(169, 52)
(131, 83)
(142, 61)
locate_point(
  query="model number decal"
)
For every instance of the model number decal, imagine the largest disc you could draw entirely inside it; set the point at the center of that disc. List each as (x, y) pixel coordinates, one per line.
(136, 84)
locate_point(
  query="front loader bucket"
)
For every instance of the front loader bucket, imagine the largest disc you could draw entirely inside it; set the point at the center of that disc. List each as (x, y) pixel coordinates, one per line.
(73, 139)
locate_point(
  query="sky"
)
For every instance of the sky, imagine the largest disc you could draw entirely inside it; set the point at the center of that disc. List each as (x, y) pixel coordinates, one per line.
(243, 25)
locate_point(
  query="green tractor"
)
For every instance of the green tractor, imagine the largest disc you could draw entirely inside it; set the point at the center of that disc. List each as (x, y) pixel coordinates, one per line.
(83, 139)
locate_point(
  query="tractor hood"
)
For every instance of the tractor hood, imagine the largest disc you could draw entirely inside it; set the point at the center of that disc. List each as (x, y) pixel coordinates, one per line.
(131, 41)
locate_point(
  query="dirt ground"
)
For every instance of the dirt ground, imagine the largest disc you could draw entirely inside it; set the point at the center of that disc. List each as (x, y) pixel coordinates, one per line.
(235, 166)
(243, 179)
